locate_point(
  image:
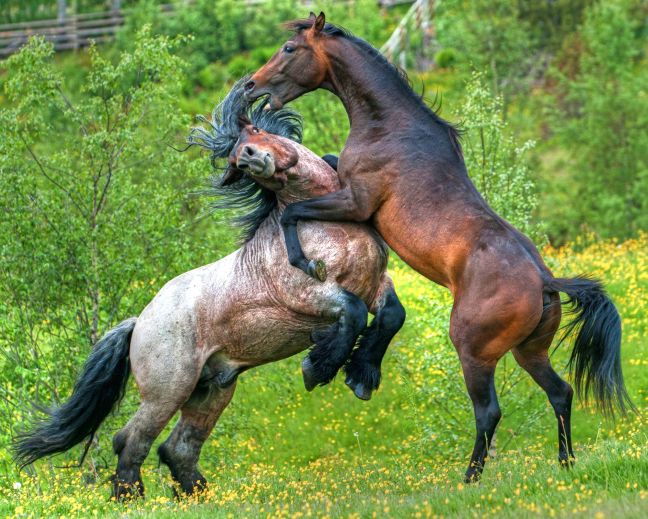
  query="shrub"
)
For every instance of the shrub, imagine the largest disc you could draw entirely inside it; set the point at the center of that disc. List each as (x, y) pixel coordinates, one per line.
(446, 58)
(497, 165)
(600, 115)
(95, 217)
(493, 37)
(212, 76)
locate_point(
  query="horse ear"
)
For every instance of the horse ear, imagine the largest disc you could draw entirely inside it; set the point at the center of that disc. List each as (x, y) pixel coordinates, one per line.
(319, 22)
(243, 120)
(230, 176)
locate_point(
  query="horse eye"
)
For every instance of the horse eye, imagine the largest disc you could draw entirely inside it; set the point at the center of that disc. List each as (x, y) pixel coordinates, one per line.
(288, 49)
(255, 129)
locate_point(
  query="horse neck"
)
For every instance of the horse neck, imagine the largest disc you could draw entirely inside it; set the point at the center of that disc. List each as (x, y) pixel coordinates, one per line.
(310, 177)
(255, 252)
(370, 91)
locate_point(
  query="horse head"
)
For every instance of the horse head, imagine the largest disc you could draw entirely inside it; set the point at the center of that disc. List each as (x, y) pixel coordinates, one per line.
(299, 66)
(279, 164)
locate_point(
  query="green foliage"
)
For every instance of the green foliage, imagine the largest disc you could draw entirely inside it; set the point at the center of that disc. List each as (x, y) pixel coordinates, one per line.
(27, 10)
(94, 214)
(600, 114)
(497, 165)
(551, 22)
(446, 58)
(219, 30)
(491, 35)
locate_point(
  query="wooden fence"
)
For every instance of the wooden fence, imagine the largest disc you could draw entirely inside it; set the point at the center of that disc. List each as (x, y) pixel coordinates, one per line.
(78, 30)
(67, 31)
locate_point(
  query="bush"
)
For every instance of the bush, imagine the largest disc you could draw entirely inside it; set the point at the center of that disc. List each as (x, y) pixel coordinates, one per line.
(599, 112)
(493, 37)
(497, 165)
(212, 76)
(95, 212)
(446, 58)
(239, 66)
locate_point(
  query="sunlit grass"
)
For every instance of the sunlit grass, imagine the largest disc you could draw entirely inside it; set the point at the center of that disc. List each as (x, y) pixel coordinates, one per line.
(281, 452)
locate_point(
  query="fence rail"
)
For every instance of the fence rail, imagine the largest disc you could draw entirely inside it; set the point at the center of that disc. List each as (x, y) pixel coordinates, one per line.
(78, 30)
(68, 32)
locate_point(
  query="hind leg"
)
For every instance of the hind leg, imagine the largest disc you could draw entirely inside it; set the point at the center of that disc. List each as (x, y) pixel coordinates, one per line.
(480, 382)
(132, 445)
(483, 330)
(532, 356)
(363, 370)
(166, 372)
(181, 450)
(334, 344)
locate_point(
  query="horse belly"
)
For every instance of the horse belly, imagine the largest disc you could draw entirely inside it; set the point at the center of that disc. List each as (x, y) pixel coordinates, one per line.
(267, 334)
(431, 242)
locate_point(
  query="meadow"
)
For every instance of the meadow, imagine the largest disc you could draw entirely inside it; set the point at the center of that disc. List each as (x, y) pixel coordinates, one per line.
(99, 211)
(281, 452)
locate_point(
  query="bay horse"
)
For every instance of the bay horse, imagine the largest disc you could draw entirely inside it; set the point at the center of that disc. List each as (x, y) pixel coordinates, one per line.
(206, 326)
(402, 169)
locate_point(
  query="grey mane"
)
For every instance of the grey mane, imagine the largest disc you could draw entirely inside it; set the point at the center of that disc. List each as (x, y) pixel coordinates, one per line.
(219, 136)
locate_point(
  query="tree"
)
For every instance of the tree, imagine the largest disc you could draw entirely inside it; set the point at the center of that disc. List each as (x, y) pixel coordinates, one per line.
(601, 119)
(491, 37)
(95, 212)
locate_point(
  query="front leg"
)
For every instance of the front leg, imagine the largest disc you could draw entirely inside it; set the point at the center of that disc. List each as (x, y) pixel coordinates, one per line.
(363, 369)
(339, 206)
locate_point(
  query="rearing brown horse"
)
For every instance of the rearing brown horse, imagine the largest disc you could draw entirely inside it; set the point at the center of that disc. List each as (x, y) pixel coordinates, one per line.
(402, 168)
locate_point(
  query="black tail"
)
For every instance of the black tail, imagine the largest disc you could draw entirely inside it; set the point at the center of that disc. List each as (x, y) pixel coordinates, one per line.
(595, 361)
(100, 386)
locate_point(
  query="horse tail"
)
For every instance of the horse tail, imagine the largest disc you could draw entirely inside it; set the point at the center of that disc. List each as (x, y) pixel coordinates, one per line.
(595, 361)
(98, 389)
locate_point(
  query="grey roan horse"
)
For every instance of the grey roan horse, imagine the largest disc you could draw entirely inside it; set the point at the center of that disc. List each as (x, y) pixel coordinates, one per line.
(206, 326)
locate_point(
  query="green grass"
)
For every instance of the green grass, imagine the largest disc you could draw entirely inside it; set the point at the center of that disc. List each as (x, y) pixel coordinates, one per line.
(279, 451)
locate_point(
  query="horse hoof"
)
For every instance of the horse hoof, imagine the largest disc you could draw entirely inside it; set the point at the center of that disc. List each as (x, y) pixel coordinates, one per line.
(124, 492)
(317, 269)
(472, 477)
(567, 463)
(359, 389)
(226, 378)
(308, 373)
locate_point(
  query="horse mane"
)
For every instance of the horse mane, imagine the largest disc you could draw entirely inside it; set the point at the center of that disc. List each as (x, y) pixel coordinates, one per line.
(402, 79)
(219, 138)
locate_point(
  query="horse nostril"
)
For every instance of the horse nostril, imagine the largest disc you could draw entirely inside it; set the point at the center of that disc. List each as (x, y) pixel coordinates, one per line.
(249, 150)
(249, 85)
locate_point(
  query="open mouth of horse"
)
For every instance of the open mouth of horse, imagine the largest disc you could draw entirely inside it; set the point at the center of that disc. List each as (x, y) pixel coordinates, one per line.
(272, 101)
(252, 94)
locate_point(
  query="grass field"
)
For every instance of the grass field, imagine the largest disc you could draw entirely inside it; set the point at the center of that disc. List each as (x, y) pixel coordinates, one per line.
(279, 451)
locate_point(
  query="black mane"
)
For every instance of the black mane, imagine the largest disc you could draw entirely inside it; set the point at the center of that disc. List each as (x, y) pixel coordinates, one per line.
(402, 80)
(219, 138)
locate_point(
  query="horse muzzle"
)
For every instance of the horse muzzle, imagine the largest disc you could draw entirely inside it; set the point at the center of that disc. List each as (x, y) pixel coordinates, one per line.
(256, 162)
